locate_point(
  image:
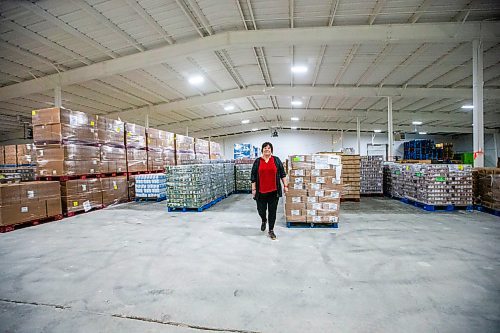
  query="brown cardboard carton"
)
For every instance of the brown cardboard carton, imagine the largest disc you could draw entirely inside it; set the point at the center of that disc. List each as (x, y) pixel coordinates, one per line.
(135, 136)
(19, 213)
(54, 207)
(25, 154)
(295, 206)
(46, 116)
(9, 194)
(110, 131)
(115, 190)
(298, 180)
(10, 154)
(296, 192)
(314, 206)
(310, 199)
(2, 155)
(323, 219)
(323, 173)
(294, 199)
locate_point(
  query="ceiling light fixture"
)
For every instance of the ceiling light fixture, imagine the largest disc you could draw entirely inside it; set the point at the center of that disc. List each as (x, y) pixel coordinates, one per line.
(377, 131)
(196, 80)
(422, 133)
(294, 118)
(299, 69)
(254, 129)
(296, 103)
(294, 127)
(417, 123)
(467, 106)
(245, 121)
(229, 107)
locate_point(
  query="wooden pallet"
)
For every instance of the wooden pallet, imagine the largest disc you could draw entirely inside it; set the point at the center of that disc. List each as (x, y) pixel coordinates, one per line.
(12, 227)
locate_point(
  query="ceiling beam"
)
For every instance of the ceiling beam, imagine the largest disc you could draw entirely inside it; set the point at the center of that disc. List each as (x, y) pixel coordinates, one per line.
(313, 91)
(390, 33)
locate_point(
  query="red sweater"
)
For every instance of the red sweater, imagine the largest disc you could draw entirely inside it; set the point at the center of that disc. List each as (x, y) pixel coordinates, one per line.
(267, 176)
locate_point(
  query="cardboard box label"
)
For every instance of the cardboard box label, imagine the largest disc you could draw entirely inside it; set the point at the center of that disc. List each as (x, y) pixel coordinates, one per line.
(87, 206)
(316, 206)
(75, 203)
(316, 219)
(312, 199)
(84, 187)
(295, 212)
(296, 199)
(298, 173)
(311, 212)
(334, 160)
(315, 186)
(298, 180)
(298, 159)
(331, 206)
(334, 194)
(92, 123)
(24, 209)
(297, 186)
(320, 180)
(33, 113)
(31, 194)
(333, 219)
(114, 185)
(319, 193)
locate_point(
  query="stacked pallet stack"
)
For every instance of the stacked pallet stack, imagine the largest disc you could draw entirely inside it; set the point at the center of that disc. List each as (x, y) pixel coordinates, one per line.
(188, 186)
(110, 136)
(217, 180)
(81, 195)
(394, 176)
(215, 151)
(372, 174)
(135, 143)
(152, 186)
(184, 150)
(351, 165)
(388, 179)
(114, 190)
(314, 189)
(243, 174)
(29, 201)
(201, 150)
(66, 143)
(18, 161)
(487, 187)
(229, 177)
(161, 149)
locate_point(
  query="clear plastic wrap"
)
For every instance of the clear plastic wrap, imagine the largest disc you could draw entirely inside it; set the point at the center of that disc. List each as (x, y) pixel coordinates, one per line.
(135, 136)
(81, 195)
(67, 160)
(372, 174)
(110, 132)
(137, 160)
(215, 151)
(487, 187)
(114, 190)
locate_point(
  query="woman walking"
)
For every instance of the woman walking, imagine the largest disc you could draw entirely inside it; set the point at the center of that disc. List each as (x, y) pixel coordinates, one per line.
(267, 174)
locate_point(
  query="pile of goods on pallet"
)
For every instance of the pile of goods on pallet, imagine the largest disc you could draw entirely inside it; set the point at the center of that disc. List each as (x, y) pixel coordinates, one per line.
(29, 201)
(17, 163)
(215, 151)
(372, 175)
(201, 150)
(315, 187)
(431, 184)
(351, 166)
(188, 185)
(184, 150)
(229, 177)
(243, 174)
(427, 150)
(487, 187)
(161, 149)
(151, 186)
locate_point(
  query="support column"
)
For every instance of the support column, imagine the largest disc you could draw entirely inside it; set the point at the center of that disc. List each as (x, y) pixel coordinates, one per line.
(187, 131)
(57, 97)
(390, 137)
(358, 131)
(477, 99)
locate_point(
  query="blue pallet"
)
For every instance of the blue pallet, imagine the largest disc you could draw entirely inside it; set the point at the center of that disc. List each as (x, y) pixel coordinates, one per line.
(437, 208)
(150, 199)
(197, 209)
(243, 191)
(488, 210)
(310, 225)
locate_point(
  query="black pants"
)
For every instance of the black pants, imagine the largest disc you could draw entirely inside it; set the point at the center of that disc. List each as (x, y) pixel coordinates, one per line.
(265, 201)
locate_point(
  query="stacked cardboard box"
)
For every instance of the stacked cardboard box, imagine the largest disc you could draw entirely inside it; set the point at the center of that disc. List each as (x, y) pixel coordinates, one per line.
(10, 155)
(135, 142)
(371, 174)
(487, 187)
(151, 186)
(161, 149)
(65, 142)
(184, 149)
(217, 180)
(394, 182)
(110, 136)
(351, 177)
(2, 155)
(314, 189)
(81, 195)
(114, 190)
(131, 187)
(201, 150)
(215, 151)
(29, 201)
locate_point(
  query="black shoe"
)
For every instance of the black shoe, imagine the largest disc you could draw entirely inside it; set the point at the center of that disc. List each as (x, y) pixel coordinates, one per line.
(263, 226)
(272, 235)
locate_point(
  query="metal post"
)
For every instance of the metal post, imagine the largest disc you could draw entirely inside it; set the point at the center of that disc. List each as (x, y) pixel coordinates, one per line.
(358, 130)
(187, 131)
(57, 97)
(146, 121)
(477, 99)
(390, 137)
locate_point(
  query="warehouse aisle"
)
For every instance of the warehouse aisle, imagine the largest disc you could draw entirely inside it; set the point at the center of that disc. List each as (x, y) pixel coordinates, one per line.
(136, 267)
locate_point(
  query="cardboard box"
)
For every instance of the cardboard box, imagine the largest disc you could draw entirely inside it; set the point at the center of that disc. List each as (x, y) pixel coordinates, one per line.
(135, 136)
(2, 155)
(323, 173)
(298, 180)
(294, 199)
(9, 194)
(323, 219)
(10, 154)
(300, 172)
(54, 207)
(19, 213)
(295, 206)
(110, 131)
(114, 190)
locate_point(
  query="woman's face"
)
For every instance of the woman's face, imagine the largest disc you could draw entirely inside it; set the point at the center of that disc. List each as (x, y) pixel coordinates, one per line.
(266, 150)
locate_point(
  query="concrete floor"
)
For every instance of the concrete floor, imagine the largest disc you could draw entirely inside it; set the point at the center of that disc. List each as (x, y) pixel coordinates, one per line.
(390, 267)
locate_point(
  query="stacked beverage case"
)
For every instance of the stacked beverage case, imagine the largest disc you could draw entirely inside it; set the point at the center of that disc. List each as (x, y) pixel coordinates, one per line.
(314, 190)
(372, 174)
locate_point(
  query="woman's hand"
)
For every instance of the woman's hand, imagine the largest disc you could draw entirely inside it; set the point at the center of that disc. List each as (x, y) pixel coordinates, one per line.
(286, 188)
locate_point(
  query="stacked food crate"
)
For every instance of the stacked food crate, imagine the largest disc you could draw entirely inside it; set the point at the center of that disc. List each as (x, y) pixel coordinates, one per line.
(487, 187)
(394, 182)
(229, 177)
(135, 142)
(110, 136)
(243, 172)
(217, 180)
(372, 174)
(314, 189)
(29, 201)
(151, 186)
(184, 150)
(188, 186)
(351, 177)
(215, 151)
(201, 150)
(161, 149)
(66, 142)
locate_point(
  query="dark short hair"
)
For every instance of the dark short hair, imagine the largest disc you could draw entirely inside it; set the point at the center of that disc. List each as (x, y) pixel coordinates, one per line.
(265, 144)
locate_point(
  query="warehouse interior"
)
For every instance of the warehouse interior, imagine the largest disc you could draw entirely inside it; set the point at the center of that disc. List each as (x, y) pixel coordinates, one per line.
(128, 133)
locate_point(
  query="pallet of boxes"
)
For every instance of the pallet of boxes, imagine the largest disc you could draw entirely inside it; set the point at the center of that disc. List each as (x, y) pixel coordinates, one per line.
(486, 189)
(315, 186)
(351, 177)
